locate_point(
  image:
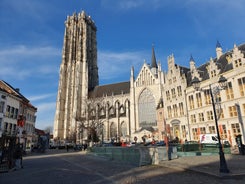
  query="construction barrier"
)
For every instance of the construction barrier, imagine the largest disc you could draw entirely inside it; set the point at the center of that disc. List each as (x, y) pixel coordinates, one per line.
(138, 156)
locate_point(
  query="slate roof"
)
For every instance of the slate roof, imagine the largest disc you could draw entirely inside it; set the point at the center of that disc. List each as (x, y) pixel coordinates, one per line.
(222, 64)
(15, 92)
(124, 87)
(110, 90)
(153, 59)
(39, 132)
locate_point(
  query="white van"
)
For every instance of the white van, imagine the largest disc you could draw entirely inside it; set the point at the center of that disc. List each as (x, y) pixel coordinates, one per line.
(209, 139)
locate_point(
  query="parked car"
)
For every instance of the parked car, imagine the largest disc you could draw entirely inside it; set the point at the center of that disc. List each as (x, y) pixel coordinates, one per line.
(191, 142)
(78, 147)
(148, 144)
(107, 144)
(161, 143)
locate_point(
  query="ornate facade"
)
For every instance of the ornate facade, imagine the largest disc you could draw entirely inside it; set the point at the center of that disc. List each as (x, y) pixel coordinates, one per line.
(78, 72)
(154, 104)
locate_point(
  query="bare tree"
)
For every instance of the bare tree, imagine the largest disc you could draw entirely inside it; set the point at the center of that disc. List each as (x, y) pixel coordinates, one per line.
(72, 138)
(48, 129)
(89, 123)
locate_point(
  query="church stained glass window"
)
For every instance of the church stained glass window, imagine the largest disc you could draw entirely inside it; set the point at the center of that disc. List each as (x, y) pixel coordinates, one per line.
(147, 109)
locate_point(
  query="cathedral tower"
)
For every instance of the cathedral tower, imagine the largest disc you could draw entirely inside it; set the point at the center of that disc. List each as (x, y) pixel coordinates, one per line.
(78, 72)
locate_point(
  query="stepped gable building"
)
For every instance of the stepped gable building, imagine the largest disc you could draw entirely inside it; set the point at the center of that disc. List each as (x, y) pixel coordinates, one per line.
(154, 104)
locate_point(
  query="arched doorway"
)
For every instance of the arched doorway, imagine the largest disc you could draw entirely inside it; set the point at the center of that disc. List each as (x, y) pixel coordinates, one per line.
(175, 129)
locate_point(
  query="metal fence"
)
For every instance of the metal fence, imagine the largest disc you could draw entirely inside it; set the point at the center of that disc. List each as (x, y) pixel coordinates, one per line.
(138, 155)
(7, 148)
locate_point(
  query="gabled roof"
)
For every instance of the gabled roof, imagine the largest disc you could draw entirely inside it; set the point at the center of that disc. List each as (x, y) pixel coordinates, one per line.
(184, 70)
(39, 132)
(3, 90)
(222, 64)
(15, 92)
(10, 89)
(110, 90)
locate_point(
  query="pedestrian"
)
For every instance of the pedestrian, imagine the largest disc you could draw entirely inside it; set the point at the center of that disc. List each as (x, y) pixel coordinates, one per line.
(67, 147)
(85, 146)
(169, 149)
(18, 157)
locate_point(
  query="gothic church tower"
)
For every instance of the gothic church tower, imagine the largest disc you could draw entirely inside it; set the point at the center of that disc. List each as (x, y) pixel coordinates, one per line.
(78, 72)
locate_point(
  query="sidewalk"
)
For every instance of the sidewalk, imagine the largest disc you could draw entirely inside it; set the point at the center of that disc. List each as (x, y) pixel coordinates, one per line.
(210, 165)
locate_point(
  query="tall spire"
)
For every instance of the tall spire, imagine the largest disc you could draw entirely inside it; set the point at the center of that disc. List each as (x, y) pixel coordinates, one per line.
(218, 50)
(191, 58)
(153, 58)
(218, 44)
(192, 63)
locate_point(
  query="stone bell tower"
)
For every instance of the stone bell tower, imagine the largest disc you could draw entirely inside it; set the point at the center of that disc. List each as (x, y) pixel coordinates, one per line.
(78, 72)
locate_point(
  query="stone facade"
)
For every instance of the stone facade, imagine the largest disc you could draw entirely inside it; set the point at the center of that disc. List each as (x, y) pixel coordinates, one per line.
(154, 104)
(78, 72)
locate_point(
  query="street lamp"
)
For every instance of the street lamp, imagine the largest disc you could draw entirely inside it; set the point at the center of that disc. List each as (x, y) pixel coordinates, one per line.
(102, 124)
(222, 85)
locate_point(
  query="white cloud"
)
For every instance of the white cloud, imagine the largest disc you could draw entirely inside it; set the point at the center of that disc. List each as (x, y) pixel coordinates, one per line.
(114, 64)
(34, 9)
(145, 5)
(45, 107)
(25, 61)
(217, 11)
(13, 71)
(42, 97)
(28, 51)
(45, 114)
(130, 4)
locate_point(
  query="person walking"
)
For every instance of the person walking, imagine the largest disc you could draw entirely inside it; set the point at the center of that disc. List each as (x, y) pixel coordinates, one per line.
(67, 147)
(18, 157)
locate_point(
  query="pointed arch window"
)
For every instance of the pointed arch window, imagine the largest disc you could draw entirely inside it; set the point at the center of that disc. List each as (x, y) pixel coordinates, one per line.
(112, 112)
(122, 111)
(147, 109)
(124, 129)
(113, 131)
(102, 113)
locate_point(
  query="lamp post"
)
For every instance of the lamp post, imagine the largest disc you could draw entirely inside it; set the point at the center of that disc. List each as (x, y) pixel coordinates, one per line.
(223, 84)
(102, 124)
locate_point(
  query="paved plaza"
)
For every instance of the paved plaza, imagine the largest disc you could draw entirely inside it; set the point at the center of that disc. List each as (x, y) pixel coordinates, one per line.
(59, 166)
(210, 165)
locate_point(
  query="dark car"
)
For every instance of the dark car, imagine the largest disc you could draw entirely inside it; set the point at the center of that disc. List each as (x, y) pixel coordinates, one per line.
(161, 143)
(191, 142)
(107, 145)
(78, 147)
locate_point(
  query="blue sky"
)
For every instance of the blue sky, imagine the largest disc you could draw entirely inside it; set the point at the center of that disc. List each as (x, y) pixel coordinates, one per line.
(31, 38)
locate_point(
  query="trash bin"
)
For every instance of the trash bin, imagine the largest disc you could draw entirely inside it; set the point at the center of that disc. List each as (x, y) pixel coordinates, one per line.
(241, 146)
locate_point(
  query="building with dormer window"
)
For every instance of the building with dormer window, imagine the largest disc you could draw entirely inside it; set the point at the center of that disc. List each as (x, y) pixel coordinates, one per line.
(153, 104)
(17, 114)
